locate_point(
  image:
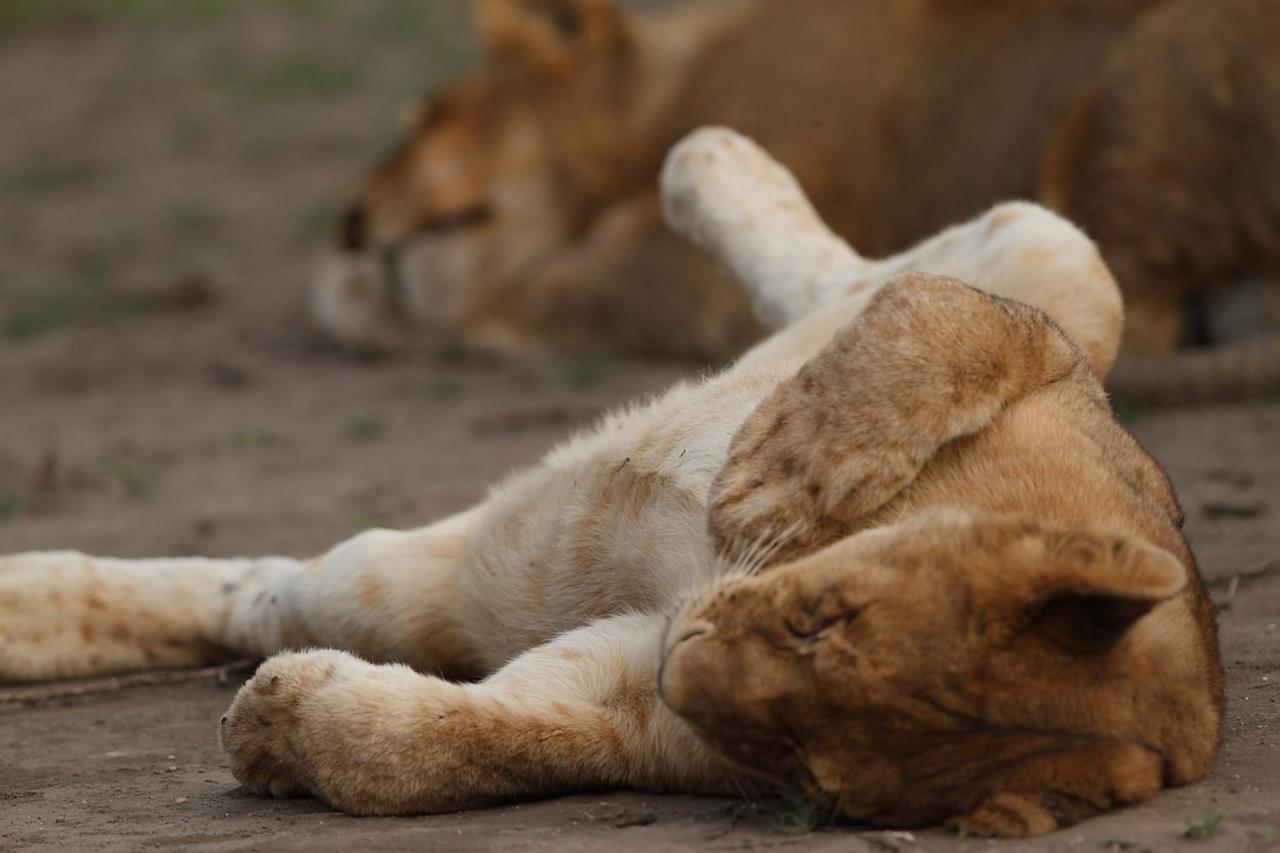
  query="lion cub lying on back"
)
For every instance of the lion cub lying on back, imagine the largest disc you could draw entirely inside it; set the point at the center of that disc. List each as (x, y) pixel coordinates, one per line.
(900, 556)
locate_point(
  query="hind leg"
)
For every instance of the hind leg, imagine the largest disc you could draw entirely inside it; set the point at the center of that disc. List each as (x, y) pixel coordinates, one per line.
(386, 595)
(728, 196)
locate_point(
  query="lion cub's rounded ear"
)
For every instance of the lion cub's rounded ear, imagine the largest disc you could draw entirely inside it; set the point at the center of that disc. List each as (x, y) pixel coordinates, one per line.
(550, 34)
(1081, 591)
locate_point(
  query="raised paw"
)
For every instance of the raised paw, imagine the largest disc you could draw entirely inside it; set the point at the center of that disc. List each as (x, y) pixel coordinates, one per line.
(727, 195)
(264, 733)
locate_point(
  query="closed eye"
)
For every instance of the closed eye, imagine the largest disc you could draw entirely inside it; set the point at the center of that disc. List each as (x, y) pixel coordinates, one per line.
(477, 214)
(809, 629)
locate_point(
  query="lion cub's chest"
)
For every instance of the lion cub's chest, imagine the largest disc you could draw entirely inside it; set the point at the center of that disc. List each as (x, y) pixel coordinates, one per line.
(613, 521)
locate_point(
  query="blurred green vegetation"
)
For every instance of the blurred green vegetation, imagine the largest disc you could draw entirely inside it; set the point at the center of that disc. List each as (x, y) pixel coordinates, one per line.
(249, 85)
(37, 177)
(195, 219)
(254, 437)
(364, 428)
(319, 219)
(236, 91)
(87, 296)
(444, 388)
(20, 15)
(402, 20)
(11, 506)
(138, 478)
(325, 50)
(585, 372)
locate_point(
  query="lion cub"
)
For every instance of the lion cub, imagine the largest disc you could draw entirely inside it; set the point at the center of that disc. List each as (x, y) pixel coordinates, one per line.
(900, 556)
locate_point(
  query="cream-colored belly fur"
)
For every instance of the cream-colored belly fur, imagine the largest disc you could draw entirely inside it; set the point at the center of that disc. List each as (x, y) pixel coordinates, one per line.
(611, 522)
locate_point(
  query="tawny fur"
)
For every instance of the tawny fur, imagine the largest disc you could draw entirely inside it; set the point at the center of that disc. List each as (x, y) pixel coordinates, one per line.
(519, 212)
(899, 555)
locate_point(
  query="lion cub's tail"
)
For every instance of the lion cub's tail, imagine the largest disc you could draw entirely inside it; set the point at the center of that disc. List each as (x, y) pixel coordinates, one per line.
(1247, 370)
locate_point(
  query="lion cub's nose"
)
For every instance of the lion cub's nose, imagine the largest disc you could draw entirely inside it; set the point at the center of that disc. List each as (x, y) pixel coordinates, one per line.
(683, 655)
(353, 235)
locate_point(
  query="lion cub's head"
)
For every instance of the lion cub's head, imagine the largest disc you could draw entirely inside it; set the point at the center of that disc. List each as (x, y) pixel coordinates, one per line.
(487, 182)
(986, 670)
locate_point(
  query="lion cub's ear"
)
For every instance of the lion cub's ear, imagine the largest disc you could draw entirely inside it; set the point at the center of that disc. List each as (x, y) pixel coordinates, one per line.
(1081, 591)
(550, 35)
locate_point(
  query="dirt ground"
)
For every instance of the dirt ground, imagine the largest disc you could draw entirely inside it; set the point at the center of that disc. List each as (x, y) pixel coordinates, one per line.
(168, 174)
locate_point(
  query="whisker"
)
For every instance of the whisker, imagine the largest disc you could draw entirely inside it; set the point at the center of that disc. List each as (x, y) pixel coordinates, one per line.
(766, 546)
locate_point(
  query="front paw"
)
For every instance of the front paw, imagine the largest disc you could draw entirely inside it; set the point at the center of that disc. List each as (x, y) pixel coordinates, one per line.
(1007, 816)
(262, 733)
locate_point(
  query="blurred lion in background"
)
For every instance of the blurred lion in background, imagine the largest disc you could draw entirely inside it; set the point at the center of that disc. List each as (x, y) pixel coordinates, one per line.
(521, 212)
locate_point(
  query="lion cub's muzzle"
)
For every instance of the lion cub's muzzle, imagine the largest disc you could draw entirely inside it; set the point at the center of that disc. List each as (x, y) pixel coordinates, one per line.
(731, 669)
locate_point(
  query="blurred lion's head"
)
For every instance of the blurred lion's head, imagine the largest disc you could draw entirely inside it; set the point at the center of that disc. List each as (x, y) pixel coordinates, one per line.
(494, 175)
